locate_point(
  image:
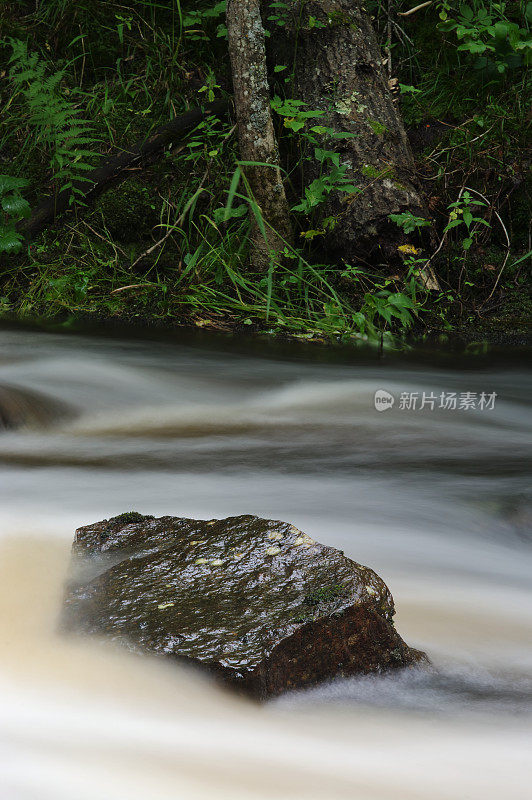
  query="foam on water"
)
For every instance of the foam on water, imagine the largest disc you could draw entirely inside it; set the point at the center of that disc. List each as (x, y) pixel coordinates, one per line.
(437, 503)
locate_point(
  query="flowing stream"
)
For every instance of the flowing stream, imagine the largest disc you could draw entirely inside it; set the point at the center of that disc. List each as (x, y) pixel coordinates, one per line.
(437, 500)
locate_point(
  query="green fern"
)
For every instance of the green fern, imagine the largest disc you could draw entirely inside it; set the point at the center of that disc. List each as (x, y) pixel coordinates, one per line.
(14, 208)
(57, 126)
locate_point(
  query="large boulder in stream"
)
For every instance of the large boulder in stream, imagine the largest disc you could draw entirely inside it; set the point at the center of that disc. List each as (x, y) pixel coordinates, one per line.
(254, 601)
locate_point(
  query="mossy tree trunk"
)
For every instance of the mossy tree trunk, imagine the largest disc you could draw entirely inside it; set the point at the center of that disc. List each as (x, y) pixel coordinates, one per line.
(256, 134)
(338, 70)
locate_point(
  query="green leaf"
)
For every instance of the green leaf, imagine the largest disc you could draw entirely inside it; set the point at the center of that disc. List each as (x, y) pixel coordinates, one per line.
(8, 183)
(502, 30)
(16, 206)
(323, 155)
(400, 300)
(385, 312)
(359, 319)
(224, 214)
(466, 11)
(452, 224)
(232, 192)
(527, 255)
(10, 241)
(474, 47)
(294, 124)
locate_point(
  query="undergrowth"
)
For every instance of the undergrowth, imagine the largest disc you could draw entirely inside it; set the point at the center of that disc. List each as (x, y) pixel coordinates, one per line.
(171, 243)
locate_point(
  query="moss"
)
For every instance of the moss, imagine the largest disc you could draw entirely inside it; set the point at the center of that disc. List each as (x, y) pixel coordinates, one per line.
(337, 18)
(401, 186)
(377, 127)
(519, 212)
(516, 309)
(129, 516)
(372, 172)
(325, 595)
(129, 212)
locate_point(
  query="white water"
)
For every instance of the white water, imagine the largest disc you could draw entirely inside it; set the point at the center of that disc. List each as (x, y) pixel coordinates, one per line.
(438, 503)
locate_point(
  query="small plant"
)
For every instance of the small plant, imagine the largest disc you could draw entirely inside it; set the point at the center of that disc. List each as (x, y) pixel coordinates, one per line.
(295, 117)
(387, 305)
(210, 86)
(195, 21)
(409, 222)
(279, 15)
(14, 208)
(486, 33)
(336, 180)
(294, 114)
(462, 215)
(208, 139)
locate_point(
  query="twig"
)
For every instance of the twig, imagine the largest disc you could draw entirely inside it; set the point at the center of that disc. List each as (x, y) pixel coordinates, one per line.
(171, 228)
(388, 48)
(454, 146)
(132, 286)
(443, 238)
(508, 243)
(413, 10)
(114, 245)
(402, 33)
(84, 57)
(494, 211)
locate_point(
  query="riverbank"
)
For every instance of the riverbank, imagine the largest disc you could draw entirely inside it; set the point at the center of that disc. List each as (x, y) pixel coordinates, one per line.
(495, 335)
(167, 243)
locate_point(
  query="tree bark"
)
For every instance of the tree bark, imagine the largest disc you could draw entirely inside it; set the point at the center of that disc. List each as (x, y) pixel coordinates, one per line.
(337, 70)
(256, 134)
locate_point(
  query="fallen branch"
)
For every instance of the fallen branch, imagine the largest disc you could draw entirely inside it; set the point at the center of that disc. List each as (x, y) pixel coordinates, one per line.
(113, 169)
(413, 10)
(132, 286)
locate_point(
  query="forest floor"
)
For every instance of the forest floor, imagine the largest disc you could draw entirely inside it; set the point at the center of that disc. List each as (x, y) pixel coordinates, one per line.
(168, 246)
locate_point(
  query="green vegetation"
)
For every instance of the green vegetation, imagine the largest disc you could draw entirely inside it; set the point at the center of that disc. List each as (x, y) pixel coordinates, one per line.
(171, 242)
(129, 516)
(326, 594)
(14, 208)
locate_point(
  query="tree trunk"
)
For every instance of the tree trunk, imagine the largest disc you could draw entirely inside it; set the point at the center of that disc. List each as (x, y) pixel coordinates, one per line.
(256, 135)
(337, 66)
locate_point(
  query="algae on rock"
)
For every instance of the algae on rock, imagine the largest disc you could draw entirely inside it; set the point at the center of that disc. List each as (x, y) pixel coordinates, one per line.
(264, 618)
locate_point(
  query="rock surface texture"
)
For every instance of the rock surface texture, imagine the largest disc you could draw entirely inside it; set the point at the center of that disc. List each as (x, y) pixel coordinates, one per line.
(254, 601)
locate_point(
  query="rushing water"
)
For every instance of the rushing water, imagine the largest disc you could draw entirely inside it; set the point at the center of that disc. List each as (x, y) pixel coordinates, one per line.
(437, 501)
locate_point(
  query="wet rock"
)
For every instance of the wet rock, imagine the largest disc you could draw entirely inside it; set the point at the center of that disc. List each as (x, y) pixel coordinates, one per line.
(255, 601)
(23, 408)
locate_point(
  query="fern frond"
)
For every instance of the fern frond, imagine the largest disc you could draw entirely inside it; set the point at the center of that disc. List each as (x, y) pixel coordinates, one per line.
(56, 122)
